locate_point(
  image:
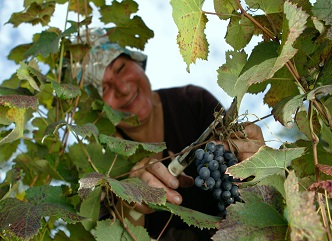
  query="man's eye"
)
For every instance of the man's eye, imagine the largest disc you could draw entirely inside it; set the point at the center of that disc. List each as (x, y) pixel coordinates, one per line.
(120, 68)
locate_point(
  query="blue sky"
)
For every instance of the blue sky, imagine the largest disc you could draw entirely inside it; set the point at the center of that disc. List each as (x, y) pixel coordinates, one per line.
(165, 66)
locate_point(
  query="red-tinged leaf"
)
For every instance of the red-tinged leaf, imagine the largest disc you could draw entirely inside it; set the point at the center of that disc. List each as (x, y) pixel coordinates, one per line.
(19, 101)
(304, 221)
(321, 187)
(325, 169)
(23, 219)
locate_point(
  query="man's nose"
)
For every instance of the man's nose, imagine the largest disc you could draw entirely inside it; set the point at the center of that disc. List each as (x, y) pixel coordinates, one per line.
(121, 87)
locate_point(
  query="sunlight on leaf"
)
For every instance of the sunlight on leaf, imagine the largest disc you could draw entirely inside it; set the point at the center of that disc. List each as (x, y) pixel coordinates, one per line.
(266, 162)
(303, 220)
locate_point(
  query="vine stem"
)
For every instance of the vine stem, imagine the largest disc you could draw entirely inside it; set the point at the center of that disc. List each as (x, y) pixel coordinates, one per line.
(162, 231)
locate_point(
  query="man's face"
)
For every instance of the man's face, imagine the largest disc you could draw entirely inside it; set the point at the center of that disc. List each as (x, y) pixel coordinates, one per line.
(126, 88)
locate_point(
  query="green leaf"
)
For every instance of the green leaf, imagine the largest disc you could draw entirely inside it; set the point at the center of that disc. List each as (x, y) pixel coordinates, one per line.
(130, 30)
(283, 111)
(85, 130)
(129, 148)
(17, 54)
(114, 231)
(90, 208)
(239, 32)
(322, 9)
(265, 162)
(189, 216)
(49, 42)
(117, 116)
(66, 91)
(304, 221)
(34, 14)
(259, 218)
(131, 189)
(230, 71)
(225, 8)
(23, 219)
(190, 21)
(23, 73)
(14, 109)
(267, 6)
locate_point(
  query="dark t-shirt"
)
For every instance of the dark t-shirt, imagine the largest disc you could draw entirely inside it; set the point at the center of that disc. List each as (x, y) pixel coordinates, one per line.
(188, 111)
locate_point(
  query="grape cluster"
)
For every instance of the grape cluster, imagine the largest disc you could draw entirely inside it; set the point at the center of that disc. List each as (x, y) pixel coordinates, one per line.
(212, 163)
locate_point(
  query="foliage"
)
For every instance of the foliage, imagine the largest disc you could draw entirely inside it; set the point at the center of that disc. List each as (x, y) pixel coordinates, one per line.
(56, 129)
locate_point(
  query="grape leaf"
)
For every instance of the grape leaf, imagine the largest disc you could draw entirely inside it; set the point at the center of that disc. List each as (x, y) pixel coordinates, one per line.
(283, 111)
(189, 216)
(129, 148)
(90, 208)
(114, 231)
(266, 69)
(224, 8)
(302, 123)
(265, 162)
(230, 71)
(49, 42)
(304, 221)
(34, 14)
(23, 219)
(323, 10)
(322, 90)
(117, 116)
(23, 73)
(259, 218)
(325, 168)
(130, 30)
(85, 130)
(190, 21)
(15, 109)
(130, 189)
(239, 27)
(267, 6)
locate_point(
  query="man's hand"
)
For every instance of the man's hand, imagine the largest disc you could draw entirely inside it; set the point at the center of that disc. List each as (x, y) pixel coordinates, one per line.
(248, 142)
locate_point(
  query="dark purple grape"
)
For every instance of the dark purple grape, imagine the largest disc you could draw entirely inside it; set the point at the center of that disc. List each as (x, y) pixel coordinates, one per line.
(226, 185)
(199, 167)
(219, 150)
(211, 146)
(210, 182)
(228, 155)
(226, 194)
(208, 156)
(218, 183)
(215, 174)
(222, 168)
(199, 181)
(204, 173)
(229, 200)
(232, 162)
(221, 206)
(213, 165)
(220, 159)
(217, 193)
(235, 191)
(199, 153)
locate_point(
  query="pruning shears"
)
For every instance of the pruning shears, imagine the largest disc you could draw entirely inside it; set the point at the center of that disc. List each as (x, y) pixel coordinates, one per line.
(181, 161)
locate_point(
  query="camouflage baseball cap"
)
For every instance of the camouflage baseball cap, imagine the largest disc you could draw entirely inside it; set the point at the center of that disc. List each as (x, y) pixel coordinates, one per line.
(102, 53)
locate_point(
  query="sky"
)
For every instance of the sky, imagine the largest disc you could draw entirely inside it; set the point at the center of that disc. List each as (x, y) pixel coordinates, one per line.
(165, 66)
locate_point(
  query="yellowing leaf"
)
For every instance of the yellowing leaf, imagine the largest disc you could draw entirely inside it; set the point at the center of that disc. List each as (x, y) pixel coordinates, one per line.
(264, 163)
(304, 221)
(191, 22)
